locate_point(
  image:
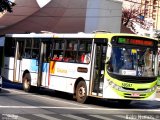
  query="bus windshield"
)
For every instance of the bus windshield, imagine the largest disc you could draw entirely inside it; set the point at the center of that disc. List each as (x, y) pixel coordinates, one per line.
(132, 61)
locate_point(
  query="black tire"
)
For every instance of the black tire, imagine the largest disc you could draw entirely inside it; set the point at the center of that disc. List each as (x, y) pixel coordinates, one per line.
(27, 82)
(81, 92)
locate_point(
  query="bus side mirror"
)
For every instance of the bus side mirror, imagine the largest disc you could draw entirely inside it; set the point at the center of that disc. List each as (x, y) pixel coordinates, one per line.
(108, 54)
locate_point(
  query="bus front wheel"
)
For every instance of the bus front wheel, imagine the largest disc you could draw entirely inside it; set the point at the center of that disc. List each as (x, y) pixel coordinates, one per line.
(81, 92)
(27, 82)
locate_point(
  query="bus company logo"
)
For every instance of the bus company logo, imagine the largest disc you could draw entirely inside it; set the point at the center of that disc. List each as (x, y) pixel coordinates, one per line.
(60, 70)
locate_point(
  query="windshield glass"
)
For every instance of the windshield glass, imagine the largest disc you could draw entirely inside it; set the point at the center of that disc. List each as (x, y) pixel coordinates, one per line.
(132, 61)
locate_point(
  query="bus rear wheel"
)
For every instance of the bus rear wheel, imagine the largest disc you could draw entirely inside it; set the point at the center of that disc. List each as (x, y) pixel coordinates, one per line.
(27, 83)
(81, 92)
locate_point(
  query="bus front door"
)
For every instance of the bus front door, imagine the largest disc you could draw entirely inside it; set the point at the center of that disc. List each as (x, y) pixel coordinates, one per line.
(17, 61)
(98, 64)
(43, 64)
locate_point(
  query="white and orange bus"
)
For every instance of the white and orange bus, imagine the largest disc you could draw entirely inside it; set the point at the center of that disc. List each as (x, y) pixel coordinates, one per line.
(84, 64)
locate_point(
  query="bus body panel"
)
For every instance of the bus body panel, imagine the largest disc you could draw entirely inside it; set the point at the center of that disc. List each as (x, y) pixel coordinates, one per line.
(7, 71)
(19, 71)
(45, 75)
(32, 67)
(71, 70)
(112, 93)
(64, 75)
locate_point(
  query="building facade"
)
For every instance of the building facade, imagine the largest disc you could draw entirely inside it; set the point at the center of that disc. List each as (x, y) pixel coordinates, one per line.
(151, 9)
(147, 9)
(62, 16)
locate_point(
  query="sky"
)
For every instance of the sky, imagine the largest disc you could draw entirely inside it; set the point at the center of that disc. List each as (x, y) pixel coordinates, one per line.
(41, 3)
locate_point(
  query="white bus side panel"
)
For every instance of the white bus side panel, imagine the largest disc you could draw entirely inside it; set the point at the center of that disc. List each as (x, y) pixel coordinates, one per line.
(32, 67)
(65, 75)
(58, 83)
(45, 75)
(70, 70)
(108, 91)
(18, 71)
(7, 71)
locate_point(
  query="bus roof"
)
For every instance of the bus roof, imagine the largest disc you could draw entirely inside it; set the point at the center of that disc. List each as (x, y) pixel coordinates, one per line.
(73, 35)
(52, 35)
(31, 35)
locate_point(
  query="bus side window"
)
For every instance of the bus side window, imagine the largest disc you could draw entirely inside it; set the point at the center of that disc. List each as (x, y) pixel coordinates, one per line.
(35, 54)
(70, 56)
(84, 50)
(84, 57)
(10, 43)
(71, 50)
(27, 53)
(35, 48)
(57, 50)
(28, 48)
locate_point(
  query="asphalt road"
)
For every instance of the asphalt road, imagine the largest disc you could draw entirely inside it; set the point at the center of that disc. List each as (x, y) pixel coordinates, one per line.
(15, 104)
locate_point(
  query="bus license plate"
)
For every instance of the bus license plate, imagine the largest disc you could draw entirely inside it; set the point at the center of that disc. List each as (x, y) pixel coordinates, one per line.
(135, 94)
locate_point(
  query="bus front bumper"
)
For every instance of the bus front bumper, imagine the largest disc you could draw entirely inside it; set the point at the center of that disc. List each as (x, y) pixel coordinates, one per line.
(129, 94)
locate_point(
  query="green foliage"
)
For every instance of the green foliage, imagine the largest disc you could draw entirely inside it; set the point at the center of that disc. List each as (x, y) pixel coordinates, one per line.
(6, 5)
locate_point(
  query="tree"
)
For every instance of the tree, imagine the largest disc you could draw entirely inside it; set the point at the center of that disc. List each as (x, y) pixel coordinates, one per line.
(6, 5)
(129, 14)
(157, 35)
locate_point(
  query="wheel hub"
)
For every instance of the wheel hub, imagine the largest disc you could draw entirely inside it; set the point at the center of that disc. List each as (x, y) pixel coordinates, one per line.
(81, 92)
(26, 84)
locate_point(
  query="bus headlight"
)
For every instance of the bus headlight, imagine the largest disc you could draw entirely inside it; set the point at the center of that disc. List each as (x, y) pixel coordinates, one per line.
(114, 85)
(152, 89)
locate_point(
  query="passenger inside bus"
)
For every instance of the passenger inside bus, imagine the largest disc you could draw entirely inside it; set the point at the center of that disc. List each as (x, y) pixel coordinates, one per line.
(70, 57)
(55, 57)
(60, 58)
(127, 61)
(85, 58)
(82, 57)
(128, 64)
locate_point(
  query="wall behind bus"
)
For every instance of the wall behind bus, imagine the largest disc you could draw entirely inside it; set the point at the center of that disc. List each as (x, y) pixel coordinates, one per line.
(103, 15)
(66, 16)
